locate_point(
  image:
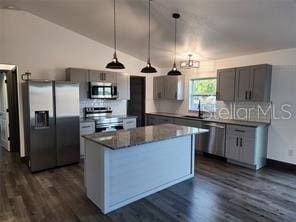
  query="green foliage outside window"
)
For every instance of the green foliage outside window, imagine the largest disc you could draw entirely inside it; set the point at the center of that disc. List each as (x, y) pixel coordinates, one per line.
(204, 87)
(203, 91)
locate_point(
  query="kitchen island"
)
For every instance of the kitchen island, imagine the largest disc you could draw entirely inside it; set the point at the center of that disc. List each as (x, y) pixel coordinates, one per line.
(126, 165)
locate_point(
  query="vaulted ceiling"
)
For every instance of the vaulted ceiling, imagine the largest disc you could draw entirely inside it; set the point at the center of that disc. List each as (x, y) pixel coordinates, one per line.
(210, 29)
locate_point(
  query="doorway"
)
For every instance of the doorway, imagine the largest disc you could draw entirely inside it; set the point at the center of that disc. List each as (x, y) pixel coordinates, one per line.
(136, 106)
(9, 111)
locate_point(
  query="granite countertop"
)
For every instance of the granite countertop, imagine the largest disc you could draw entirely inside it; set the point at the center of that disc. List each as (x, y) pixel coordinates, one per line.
(226, 121)
(138, 136)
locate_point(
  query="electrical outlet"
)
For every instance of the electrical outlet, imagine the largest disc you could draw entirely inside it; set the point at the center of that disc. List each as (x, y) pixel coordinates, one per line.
(290, 152)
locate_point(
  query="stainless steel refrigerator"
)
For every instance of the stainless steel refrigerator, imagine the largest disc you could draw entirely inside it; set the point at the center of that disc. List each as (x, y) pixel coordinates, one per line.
(51, 123)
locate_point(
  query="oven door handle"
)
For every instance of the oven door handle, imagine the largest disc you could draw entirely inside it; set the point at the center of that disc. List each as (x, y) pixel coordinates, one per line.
(108, 125)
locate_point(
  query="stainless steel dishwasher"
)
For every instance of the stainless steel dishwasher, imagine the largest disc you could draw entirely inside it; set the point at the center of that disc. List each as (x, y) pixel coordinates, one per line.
(214, 141)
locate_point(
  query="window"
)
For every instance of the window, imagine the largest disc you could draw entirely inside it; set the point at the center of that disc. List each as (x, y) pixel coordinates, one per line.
(203, 90)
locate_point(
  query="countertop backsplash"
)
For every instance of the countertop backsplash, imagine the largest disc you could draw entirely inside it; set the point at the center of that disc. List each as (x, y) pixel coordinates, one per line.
(118, 106)
(247, 111)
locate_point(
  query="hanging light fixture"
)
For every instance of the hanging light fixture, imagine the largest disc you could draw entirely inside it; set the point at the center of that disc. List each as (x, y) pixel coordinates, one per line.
(148, 68)
(174, 71)
(115, 64)
(190, 63)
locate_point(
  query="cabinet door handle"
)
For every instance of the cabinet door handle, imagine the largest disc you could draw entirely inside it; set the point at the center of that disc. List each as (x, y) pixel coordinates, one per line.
(241, 142)
(86, 127)
(246, 95)
(250, 95)
(241, 131)
(236, 141)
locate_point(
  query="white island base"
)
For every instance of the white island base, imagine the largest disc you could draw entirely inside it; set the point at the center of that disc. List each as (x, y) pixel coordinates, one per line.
(115, 178)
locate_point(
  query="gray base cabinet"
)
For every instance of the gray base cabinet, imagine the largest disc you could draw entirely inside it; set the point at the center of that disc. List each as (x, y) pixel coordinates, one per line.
(152, 119)
(246, 146)
(85, 129)
(130, 123)
(155, 120)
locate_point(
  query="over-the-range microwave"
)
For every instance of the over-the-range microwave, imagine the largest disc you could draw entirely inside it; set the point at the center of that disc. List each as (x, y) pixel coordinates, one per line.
(102, 90)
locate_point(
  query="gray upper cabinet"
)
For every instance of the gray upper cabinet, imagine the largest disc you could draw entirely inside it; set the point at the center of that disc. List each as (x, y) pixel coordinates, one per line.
(96, 76)
(249, 83)
(123, 86)
(158, 87)
(226, 84)
(111, 77)
(174, 87)
(80, 76)
(84, 76)
(260, 83)
(102, 76)
(168, 87)
(243, 79)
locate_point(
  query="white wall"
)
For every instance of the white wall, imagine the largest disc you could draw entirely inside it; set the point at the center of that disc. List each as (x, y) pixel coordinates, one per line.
(46, 49)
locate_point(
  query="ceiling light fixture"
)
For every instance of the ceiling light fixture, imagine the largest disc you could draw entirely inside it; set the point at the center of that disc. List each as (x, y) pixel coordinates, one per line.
(115, 64)
(174, 71)
(190, 63)
(148, 68)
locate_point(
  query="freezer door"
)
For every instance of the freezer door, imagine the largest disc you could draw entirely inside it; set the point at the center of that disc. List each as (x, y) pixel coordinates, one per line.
(41, 142)
(67, 112)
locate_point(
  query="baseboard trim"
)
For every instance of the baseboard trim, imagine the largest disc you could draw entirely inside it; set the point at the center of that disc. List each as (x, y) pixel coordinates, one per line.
(280, 165)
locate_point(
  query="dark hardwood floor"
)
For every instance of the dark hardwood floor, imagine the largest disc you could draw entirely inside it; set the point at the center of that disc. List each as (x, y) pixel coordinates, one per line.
(219, 192)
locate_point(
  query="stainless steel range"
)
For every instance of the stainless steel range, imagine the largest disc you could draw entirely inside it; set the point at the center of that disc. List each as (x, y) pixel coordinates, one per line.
(104, 120)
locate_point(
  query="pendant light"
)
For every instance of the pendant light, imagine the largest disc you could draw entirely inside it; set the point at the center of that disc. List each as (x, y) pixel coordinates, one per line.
(174, 71)
(115, 64)
(148, 68)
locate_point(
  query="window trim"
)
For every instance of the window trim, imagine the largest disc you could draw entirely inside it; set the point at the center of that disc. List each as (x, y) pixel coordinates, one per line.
(191, 95)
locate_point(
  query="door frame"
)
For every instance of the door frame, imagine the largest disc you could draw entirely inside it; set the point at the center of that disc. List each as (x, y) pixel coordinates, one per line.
(13, 107)
(143, 96)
